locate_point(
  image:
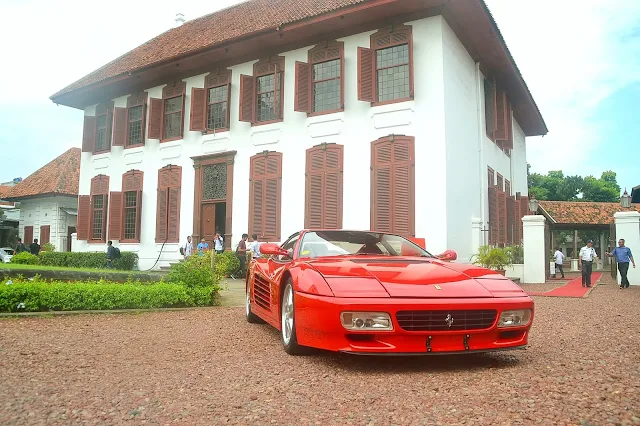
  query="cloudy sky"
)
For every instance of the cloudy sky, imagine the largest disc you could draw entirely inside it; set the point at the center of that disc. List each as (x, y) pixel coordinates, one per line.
(580, 58)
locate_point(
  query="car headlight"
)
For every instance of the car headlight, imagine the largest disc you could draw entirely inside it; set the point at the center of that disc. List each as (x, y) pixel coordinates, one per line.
(515, 318)
(366, 321)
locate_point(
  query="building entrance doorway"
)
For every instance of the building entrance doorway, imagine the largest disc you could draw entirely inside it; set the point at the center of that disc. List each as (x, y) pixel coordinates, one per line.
(213, 197)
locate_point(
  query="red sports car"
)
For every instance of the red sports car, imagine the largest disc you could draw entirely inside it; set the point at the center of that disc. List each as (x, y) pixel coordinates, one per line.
(368, 292)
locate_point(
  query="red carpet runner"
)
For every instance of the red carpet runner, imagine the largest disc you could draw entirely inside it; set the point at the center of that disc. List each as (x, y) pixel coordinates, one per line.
(571, 289)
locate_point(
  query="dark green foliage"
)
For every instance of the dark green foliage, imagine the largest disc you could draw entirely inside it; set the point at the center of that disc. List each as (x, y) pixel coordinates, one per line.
(127, 262)
(555, 186)
(194, 272)
(226, 263)
(32, 296)
(25, 258)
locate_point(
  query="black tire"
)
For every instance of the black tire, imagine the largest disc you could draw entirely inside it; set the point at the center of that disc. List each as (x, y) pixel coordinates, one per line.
(250, 316)
(291, 345)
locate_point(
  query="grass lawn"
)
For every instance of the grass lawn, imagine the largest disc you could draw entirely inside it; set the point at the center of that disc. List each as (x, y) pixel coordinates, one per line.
(16, 266)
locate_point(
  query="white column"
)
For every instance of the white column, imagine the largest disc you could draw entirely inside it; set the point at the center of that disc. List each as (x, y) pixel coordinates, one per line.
(476, 235)
(535, 268)
(628, 228)
(74, 242)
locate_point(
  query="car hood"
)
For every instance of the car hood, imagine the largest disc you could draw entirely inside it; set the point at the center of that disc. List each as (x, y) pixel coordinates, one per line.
(414, 277)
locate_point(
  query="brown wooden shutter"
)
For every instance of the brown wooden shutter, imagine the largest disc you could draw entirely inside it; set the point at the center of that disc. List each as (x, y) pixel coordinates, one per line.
(323, 206)
(265, 196)
(45, 234)
(84, 217)
(119, 126)
(510, 221)
(493, 215)
(197, 120)
(138, 215)
(502, 128)
(116, 211)
(28, 235)
(89, 134)
(393, 185)
(490, 115)
(173, 215)
(161, 215)
(155, 118)
(366, 67)
(247, 98)
(256, 198)
(508, 143)
(303, 94)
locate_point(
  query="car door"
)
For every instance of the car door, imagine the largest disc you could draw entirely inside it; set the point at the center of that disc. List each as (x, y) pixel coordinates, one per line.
(276, 266)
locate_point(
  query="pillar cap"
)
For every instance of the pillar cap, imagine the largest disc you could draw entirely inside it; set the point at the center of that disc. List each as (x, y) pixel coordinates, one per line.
(533, 218)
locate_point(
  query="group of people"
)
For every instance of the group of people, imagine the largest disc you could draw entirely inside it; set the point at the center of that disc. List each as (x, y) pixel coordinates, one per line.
(33, 248)
(243, 251)
(588, 255)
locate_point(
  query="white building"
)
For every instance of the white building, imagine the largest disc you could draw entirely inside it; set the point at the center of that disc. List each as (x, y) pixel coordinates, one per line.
(268, 119)
(49, 202)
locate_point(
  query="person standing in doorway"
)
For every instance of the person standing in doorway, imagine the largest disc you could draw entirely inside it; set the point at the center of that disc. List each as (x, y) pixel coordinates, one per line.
(218, 243)
(34, 248)
(586, 258)
(559, 259)
(623, 257)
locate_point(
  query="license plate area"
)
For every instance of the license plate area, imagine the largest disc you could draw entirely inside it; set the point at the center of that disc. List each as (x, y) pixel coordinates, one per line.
(448, 342)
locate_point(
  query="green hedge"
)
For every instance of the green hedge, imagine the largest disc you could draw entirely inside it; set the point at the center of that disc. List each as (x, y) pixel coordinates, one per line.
(195, 271)
(226, 263)
(34, 296)
(127, 262)
(25, 258)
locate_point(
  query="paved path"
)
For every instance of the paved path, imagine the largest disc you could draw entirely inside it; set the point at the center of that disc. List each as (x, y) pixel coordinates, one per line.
(232, 293)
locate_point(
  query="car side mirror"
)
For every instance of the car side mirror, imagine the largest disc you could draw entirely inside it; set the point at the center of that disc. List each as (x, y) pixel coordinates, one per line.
(273, 249)
(448, 256)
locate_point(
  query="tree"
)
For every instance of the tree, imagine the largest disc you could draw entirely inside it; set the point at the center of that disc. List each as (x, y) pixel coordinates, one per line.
(555, 186)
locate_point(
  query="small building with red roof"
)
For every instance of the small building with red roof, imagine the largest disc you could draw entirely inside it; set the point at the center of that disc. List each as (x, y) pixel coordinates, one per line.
(49, 201)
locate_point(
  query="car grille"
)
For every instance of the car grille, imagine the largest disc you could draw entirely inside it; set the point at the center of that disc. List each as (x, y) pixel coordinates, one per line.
(437, 320)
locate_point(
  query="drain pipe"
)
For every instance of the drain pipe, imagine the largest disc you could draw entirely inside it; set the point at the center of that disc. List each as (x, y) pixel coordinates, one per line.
(481, 150)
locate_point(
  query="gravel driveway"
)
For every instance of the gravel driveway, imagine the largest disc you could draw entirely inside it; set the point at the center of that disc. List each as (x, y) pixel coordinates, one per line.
(209, 366)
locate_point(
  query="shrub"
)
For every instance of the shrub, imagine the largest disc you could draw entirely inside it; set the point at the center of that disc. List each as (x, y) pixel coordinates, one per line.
(195, 271)
(25, 258)
(48, 247)
(128, 261)
(34, 296)
(226, 263)
(492, 258)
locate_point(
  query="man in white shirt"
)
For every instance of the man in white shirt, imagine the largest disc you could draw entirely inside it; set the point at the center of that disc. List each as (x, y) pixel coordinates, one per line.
(559, 259)
(585, 259)
(254, 247)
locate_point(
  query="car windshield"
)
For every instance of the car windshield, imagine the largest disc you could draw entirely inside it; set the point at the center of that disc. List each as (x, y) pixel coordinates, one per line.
(340, 243)
(7, 251)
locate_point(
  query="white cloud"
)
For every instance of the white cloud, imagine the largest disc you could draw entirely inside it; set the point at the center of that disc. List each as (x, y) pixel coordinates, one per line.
(573, 54)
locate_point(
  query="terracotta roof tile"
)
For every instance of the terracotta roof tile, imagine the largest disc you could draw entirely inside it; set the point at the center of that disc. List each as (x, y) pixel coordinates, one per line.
(237, 21)
(584, 213)
(7, 203)
(60, 176)
(4, 190)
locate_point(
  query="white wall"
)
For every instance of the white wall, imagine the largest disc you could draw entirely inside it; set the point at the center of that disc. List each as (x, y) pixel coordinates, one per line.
(447, 175)
(44, 211)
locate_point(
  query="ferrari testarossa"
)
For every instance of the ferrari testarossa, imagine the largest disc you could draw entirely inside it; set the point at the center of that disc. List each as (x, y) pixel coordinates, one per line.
(365, 292)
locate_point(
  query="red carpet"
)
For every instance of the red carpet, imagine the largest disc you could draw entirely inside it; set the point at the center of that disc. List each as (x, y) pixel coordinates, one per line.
(571, 289)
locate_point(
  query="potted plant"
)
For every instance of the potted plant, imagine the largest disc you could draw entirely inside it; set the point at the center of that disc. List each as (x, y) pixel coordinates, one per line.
(495, 258)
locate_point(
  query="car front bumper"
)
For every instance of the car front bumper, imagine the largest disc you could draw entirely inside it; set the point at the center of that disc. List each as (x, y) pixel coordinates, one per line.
(318, 325)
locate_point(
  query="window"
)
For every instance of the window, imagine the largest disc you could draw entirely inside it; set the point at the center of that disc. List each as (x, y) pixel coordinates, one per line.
(507, 187)
(498, 115)
(385, 70)
(290, 246)
(129, 122)
(166, 115)
(96, 136)
(499, 182)
(265, 195)
(168, 204)
(323, 193)
(261, 95)
(319, 84)
(393, 185)
(92, 211)
(491, 177)
(210, 105)
(125, 209)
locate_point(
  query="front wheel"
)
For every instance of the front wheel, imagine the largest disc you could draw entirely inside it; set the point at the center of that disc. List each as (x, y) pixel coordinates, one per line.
(288, 321)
